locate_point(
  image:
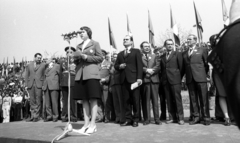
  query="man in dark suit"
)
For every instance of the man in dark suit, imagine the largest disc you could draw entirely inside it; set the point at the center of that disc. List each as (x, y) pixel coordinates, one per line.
(65, 68)
(172, 73)
(34, 80)
(129, 64)
(51, 91)
(196, 68)
(116, 92)
(150, 85)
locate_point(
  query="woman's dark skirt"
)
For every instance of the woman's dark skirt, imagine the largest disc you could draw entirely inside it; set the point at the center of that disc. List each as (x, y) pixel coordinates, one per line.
(87, 89)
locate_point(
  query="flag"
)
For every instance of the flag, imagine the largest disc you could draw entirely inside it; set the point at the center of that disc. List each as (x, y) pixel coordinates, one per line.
(14, 62)
(3, 66)
(111, 37)
(174, 28)
(198, 23)
(7, 67)
(225, 14)
(129, 30)
(151, 32)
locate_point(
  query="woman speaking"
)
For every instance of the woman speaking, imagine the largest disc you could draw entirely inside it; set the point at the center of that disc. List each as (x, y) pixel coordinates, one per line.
(87, 87)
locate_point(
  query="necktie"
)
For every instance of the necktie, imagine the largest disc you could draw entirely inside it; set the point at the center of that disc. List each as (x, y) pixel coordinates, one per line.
(125, 53)
(190, 51)
(168, 53)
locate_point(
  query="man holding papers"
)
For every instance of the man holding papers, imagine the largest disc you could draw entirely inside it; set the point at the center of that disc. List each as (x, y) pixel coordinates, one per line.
(129, 64)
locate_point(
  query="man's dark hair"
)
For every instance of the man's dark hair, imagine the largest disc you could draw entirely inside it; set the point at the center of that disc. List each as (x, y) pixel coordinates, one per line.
(167, 40)
(141, 45)
(37, 55)
(88, 30)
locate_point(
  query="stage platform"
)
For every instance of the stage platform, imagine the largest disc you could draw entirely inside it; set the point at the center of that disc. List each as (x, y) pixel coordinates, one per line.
(44, 132)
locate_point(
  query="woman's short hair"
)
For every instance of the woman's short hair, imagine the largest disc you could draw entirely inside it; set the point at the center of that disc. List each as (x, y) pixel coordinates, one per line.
(88, 30)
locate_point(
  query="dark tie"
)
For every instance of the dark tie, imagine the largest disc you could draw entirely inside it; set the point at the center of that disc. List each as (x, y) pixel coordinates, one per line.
(125, 53)
(190, 51)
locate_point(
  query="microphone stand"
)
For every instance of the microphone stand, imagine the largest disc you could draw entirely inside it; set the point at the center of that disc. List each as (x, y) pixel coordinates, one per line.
(68, 128)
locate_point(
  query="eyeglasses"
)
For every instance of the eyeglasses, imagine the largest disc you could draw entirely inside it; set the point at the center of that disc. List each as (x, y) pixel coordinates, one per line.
(146, 46)
(125, 39)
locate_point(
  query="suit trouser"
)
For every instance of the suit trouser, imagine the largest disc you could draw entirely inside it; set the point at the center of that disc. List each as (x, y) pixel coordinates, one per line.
(35, 100)
(199, 99)
(52, 104)
(117, 102)
(65, 103)
(162, 102)
(17, 111)
(174, 101)
(150, 92)
(131, 102)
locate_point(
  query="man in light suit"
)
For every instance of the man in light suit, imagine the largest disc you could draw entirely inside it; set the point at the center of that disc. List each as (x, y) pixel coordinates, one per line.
(172, 73)
(196, 68)
(34, 80)
(51, 91)
(151, 66)
(129, 64)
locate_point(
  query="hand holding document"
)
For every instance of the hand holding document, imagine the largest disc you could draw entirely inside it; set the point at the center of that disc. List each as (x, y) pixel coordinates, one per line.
(136, 84)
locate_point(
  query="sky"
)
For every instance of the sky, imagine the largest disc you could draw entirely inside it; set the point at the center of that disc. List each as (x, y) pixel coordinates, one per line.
(31, 26)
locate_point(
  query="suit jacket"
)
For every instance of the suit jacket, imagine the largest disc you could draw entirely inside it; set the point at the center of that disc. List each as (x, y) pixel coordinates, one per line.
(89, 68)
(51, 80)
(172, 68)
(196, 65)
(63, 74)
(150, 62)
(114, 78)
(134, 65)
(35, 74)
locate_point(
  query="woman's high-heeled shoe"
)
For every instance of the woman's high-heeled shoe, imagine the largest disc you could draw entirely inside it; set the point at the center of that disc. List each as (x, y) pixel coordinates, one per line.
(91, 130)
(227, 122)
(82, 130)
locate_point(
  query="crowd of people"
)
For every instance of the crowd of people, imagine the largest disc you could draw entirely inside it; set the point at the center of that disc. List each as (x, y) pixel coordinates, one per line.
(120, 87)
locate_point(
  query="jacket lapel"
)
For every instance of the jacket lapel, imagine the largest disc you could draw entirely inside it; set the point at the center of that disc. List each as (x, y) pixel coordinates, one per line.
(37, 67)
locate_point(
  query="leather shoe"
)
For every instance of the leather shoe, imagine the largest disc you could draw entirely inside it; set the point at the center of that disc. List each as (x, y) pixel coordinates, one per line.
(73, 119)
(135, 124)
(158, 122)
(36, 119)
(29, 120)
(195, 121)
(127, 123)
(206, 122)
(64, 120)
(227, 122)
(146, 122)
(106, 121)
(99, 120)
(47, 119)
(181, 122)
(171, 121)
(55, 120)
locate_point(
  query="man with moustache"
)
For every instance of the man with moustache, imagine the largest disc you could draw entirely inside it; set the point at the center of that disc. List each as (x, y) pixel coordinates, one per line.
(151, 66)
(129, 64)
(172, 73)
(34, 81)
(196, 68)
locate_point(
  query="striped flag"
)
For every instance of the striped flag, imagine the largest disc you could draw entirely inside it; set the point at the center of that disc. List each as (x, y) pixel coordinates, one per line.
(7, 67)
(111, 37)
(174, 28)
(129, 30)
(151, 32)
(198, 24)
(225, 14)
